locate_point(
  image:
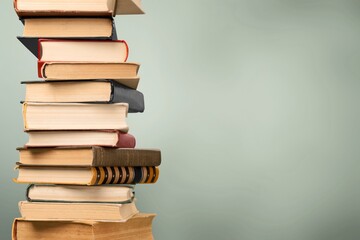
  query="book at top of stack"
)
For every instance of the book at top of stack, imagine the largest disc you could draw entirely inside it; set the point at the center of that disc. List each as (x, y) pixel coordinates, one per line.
(85, 20)
(80, 161)
(65, 8)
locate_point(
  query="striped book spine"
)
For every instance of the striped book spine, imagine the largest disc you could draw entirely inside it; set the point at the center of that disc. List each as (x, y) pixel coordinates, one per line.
(124, 175)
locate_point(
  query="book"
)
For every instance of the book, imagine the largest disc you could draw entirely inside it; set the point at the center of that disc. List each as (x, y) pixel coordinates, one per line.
(110, 138)
(65, 28)
(68, 27)
(137, 227)
(86, 175)
(77, 211)
(89, 156)
(80, 194)
(124, 73)
(26, 8)
(75, 116)
(101, 91)
(66, 50)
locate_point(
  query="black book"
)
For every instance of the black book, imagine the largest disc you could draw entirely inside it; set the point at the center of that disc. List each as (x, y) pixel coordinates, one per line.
(65, 28)
(92, 91)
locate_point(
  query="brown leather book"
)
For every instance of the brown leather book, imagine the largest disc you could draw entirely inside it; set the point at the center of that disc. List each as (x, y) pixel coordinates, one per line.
(137, 227)
(87, 176)
(90, 157)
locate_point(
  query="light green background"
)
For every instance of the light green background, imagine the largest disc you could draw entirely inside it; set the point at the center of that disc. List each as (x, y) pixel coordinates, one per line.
(254, 104)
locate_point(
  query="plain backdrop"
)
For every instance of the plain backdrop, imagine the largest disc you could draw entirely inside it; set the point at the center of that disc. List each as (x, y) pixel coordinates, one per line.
(254, 104)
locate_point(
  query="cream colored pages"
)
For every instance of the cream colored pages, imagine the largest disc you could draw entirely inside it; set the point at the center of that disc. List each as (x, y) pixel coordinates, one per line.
(67, 27)
(84, 51)
(65, 5)
(38, 116)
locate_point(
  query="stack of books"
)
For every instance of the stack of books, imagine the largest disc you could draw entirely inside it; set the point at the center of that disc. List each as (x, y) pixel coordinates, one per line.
(80, 161)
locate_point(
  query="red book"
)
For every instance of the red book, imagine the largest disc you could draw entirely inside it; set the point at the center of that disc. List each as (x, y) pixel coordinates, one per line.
(58, 138)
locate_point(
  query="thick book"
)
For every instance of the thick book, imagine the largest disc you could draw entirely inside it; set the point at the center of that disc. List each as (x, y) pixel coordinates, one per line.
(124, 73)
(68, 27)
(65, 50)
(110, 138)
(62, 8)
(136, 228)
(75, 116)
(80, 194)
(90, 157)
(65, 28)
(77, 211)
(100, 91)
(86, 175)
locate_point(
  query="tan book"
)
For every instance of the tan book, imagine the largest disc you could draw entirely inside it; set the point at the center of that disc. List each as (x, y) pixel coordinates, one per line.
(90, 157)
(27, 8)
(90, 91)
(136, 228)
(80, 194)
(84, 50)
(125, 73)
(68, 27)
(73, 116)
(77, 211)
(82, 138)
(87, 175)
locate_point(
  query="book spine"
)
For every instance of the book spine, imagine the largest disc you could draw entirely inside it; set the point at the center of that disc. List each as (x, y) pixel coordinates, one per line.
(125, 140)
(125, 157)
(28, 191)
(127, 49)
(24, 110)
(15, 6)
(40, 63)
(41, 69)
(124, 175)
(134, 98)
(14, 229)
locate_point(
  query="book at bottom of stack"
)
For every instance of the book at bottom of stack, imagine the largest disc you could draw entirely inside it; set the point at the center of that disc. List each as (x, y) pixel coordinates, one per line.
(81, 212)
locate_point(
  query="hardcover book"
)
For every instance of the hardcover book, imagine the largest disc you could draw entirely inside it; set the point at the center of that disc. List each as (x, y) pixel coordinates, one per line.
(65, 50)
(101, 91)
(77, 211)
(106, 8)
(137, 227)
(110, 138)
(68, 27)
(75, 116)
(90, 157)
(80, 194)
(86, 175)
(124, 73)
